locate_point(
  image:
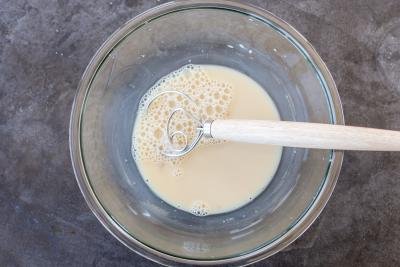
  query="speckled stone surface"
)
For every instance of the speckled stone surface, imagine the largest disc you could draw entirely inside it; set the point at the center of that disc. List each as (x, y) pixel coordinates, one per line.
(45, 46)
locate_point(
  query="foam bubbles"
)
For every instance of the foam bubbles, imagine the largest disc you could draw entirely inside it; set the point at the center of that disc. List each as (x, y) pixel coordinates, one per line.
(199, 208)
(211, 101)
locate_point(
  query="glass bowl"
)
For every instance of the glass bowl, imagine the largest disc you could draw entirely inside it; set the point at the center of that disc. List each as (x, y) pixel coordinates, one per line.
(150, 46)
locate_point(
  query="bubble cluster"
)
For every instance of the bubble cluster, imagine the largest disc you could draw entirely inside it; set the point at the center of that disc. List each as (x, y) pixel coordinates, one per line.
(199, 208)
(211, 100)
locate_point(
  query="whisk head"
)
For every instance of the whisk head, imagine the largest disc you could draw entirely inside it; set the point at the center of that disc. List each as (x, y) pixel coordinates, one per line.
(173, 149)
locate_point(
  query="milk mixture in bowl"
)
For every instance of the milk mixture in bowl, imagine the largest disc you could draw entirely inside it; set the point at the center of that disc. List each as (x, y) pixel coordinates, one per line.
(217, 176)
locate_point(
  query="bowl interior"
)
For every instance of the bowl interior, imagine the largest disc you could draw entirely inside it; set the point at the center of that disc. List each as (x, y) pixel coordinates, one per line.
(152, 49)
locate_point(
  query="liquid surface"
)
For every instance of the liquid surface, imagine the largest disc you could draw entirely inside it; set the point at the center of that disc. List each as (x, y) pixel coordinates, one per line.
(217, 176)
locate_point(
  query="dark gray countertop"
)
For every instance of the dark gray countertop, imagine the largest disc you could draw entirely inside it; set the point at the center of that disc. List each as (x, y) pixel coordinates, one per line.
(45, 46)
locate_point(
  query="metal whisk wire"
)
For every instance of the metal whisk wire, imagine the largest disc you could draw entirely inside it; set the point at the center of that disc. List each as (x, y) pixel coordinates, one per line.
(172, 150)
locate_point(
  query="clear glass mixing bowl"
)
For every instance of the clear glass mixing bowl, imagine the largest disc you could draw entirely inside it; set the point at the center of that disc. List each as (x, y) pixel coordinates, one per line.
(150, 46)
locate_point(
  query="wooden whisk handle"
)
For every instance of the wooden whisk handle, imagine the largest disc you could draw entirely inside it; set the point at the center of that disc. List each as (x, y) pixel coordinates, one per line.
(306, 135)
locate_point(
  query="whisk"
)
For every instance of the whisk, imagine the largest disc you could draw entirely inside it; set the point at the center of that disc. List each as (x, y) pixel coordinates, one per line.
(280, 133)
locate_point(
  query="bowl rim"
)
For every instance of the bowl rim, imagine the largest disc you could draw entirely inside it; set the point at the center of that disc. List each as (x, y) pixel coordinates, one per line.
(307, 218)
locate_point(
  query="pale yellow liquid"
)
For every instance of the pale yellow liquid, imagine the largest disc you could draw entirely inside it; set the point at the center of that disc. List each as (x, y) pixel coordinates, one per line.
(215, 177)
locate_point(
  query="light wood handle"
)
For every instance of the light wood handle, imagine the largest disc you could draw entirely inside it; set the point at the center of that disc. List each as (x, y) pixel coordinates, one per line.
(306, 135)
